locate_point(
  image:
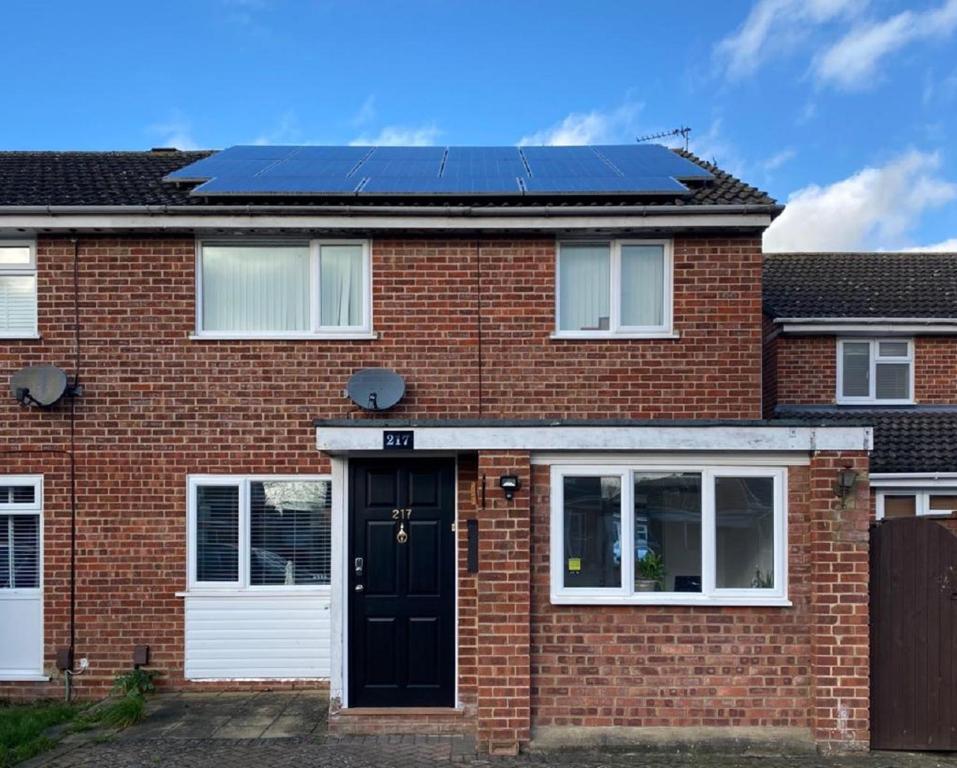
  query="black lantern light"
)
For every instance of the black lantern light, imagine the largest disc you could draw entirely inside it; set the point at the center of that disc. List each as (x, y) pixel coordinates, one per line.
(509, 484)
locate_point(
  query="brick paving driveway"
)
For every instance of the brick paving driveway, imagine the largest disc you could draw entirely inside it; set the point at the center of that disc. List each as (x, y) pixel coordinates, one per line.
(271, 730)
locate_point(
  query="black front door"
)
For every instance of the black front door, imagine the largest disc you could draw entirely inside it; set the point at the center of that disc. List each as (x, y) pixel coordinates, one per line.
(401, 583)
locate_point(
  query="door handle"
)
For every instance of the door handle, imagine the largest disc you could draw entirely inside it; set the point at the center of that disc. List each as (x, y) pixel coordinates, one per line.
(359, 588)
(360, 563)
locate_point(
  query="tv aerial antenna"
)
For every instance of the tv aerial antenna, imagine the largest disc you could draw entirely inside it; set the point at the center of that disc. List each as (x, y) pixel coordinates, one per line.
(684, 132)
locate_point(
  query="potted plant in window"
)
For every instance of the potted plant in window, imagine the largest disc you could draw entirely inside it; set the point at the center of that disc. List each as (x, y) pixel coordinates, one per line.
(649, 572)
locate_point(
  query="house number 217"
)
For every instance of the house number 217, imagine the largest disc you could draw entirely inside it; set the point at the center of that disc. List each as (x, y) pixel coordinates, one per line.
(401, 514)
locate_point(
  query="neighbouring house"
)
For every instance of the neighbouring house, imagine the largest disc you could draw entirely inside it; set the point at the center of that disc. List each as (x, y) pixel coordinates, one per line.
(869, 338)
(472, 436)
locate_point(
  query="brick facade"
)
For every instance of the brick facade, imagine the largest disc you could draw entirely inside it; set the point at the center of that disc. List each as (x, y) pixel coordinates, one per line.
(468, 324)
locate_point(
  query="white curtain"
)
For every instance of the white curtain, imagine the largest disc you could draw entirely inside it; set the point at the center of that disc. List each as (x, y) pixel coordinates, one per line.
(256, 288)
(642, 285)
(340, 280)
(585, 288)
(18, 305)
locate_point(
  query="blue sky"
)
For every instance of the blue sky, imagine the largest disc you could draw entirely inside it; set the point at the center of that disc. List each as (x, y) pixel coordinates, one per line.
(844, 107)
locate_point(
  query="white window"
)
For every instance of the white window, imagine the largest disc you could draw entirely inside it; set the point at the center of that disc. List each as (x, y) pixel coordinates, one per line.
(284, 289)
(672, 536)
(256, 532)
(892, 504)
(875, 371)
(614, 288)
(18, 289)
(21, 577)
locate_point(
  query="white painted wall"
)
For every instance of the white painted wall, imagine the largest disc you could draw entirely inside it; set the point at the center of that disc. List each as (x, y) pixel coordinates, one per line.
(258, 636)
(21, 635)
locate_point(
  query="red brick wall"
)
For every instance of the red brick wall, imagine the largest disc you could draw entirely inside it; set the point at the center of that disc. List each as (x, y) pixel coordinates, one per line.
(807, 370)
(159, 406)
(803, 666)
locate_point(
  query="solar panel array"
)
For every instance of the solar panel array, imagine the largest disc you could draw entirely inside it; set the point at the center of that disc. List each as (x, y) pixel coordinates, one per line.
(632, 169)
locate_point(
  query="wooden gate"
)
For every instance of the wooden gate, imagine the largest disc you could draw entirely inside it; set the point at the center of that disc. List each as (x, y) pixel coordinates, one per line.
(913, 609)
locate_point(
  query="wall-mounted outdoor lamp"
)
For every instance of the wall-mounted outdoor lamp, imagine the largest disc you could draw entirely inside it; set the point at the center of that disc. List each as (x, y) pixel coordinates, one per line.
(846, 480)
(509, 484)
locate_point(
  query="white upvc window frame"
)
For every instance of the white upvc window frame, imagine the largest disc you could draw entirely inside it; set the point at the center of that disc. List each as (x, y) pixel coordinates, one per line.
(615, 329)
(316, 330)
(921, 501)
(625, 594)
(23, 270)
(24, 509)
(241, 585)
(875, 359)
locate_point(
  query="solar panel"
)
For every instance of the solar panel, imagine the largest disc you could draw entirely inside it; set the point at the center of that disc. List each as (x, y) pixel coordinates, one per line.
(638, 169)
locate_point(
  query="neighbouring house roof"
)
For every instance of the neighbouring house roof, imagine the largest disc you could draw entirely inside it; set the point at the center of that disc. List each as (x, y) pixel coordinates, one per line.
(916, 439)
(835, 286)
(111, 179)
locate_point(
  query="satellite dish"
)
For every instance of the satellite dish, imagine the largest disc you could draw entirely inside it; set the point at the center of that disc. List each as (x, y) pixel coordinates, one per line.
(41, 385)
(375, 389)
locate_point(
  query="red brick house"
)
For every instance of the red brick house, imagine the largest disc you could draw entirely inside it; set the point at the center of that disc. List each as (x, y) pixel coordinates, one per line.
(575, 520)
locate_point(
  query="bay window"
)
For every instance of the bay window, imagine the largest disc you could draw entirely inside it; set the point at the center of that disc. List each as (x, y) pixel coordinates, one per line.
(617, 287)
(249, 532)
(682, 535)
(283, 289)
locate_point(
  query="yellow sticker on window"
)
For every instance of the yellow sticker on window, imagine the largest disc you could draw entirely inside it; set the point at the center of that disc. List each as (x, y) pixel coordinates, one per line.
(574, 564)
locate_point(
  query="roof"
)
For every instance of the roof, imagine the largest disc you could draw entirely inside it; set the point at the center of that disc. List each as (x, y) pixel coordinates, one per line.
(136, 179)
(860, 285)
(915, 439)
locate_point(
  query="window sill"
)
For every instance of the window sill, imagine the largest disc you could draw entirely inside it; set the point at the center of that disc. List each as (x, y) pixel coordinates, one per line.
(649, 601)
(351, 336)
(875, 402)
(585, 336)
(267, 592)
(24, 677)
(20, 337)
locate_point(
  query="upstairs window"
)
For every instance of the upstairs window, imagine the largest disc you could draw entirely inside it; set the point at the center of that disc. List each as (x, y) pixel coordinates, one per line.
(614, 288)
(18, 289)
(283, 289)
(875, 371)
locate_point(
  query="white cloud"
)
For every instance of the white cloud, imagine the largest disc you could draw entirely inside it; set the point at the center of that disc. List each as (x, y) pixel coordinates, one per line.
(775, 26)
(366, 113)
(875, 208)
(399, 136)
(947, 246)
(286, 131)
(778, 159)
(177, 132)
(852, 62)
(595, 127)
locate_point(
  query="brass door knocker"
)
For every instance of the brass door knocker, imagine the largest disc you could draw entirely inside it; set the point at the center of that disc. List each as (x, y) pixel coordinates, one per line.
(402, 537)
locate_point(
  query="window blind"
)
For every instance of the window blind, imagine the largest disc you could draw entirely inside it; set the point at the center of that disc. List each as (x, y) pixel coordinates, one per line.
(18, 304)
(19, 551)
(290, 532)
(17, 494)
(217, 533)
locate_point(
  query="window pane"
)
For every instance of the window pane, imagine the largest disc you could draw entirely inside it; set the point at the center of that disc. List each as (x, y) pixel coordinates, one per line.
(341, 285)
(642, 285)
(941, 504)
(893, 381)
(585, 288)
(14, 255)
(18, 304)
(17, 494)
(857, 369)
(667, 532)
(592, 515)
(744, 523)
(217, 533)
(289, 532)
(892, 349)
(256, 288)
(900, 506)
(19, 551)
